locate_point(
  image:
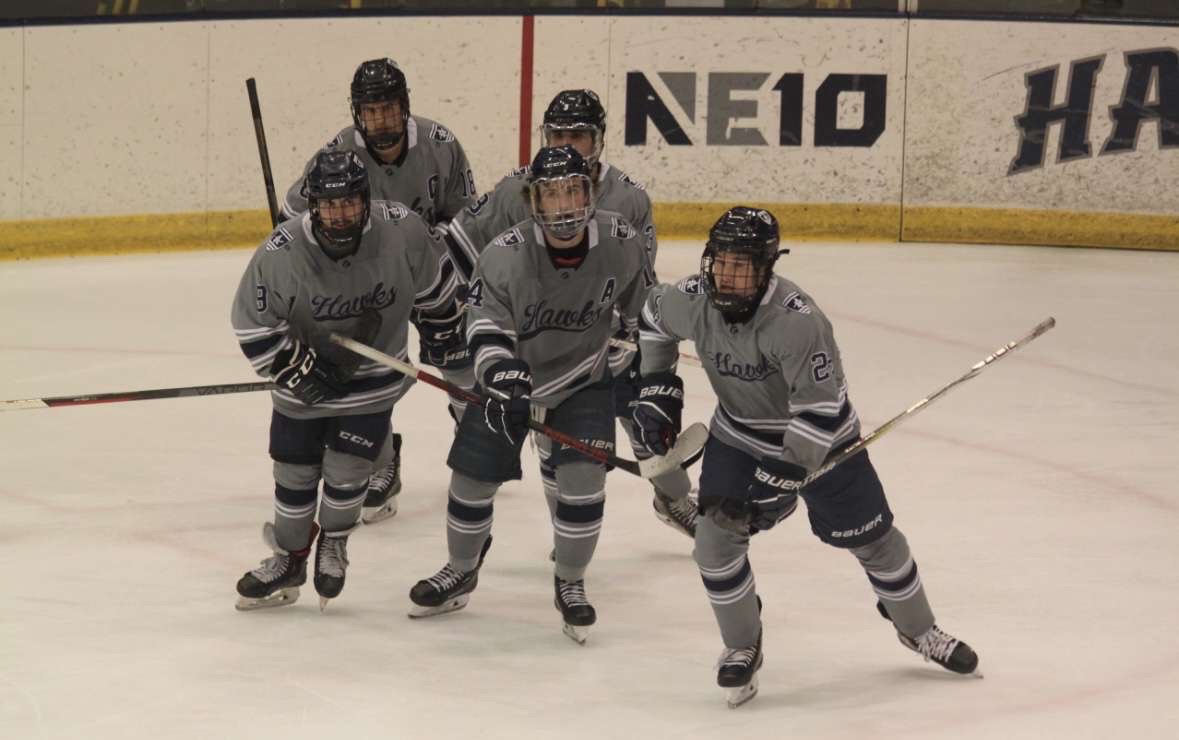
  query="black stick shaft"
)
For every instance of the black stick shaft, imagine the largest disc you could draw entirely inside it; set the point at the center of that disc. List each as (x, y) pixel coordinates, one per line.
(263, 152)
(139, 395)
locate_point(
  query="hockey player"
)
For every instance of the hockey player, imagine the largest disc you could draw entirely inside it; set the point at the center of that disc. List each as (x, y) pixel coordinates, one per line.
(357, 267)
(540, 308)
(576, 118)
(418, 162)
(782, 410)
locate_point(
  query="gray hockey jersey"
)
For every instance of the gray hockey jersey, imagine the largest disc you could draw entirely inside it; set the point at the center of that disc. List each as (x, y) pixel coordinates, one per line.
(557, 320)
(778, 378)
(433, 176)
(291, 289)
(508, 204)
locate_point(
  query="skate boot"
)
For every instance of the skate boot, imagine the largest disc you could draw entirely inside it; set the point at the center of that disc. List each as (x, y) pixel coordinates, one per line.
(331, 560)
(679, 514)
(737, 673)
(380, 501)
(942, 648)
(447, 590)
(576, 611)
(276, 582)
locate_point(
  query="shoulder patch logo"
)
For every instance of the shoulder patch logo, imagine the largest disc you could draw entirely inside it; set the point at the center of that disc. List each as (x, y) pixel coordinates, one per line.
(278, 240)
(441, 133)
(692, 285)
(623, 177)
(519, 171)
(391, 211)
(621, 228)
(794, 302)
(511, 238)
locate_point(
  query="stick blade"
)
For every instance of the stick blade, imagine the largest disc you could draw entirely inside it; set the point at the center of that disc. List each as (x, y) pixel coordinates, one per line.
(689, 442)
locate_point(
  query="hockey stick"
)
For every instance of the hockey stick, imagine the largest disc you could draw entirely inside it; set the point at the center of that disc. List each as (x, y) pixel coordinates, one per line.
(263, 153)
(146, 395)
(690, 441)
(896, 421)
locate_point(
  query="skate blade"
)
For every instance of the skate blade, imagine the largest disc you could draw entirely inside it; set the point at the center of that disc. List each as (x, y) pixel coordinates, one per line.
(577, 633)
(323, 602)
(453, 605)
(281, 597)
(379, 513)
(738, 695)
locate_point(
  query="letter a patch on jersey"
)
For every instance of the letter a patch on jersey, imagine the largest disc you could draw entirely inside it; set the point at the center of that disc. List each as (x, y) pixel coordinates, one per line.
(608, 291)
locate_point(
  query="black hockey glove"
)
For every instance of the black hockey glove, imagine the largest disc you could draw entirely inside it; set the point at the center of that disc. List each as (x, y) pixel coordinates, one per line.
(443, 341)
(508, 385)
(311, 378)
(658, 410)
(773, 493)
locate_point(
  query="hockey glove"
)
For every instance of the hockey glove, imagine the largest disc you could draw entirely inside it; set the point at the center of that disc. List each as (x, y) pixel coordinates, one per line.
(773, 494)
(299, 369)
(658, 410)
(443, 341)
(508, 384)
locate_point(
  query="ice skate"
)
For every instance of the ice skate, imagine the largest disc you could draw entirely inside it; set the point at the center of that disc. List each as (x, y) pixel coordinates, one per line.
(380, 501)
(679, 514)
(277, 580)
(940, 647)
(737, 673)
(576, 611)
(331, 561)
(447, 590)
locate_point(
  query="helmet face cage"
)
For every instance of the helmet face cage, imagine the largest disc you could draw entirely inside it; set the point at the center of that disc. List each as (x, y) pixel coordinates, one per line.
(742, 248)
(577, 110)
(570, 203)
(379, 81)
(596, 134)
(335, 176)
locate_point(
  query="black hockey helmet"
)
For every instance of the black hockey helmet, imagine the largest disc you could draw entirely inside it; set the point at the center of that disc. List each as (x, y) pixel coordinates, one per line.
(560, 177)
(577, 110)
(379, 81)
(743, 235)
(332, 176)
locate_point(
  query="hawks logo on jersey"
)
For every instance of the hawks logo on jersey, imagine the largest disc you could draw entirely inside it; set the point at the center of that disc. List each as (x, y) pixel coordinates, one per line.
(511, 238)
(692, 285)
(278, 240)
(391, 211)
(794, 302)
(620, 229)
(441, 133)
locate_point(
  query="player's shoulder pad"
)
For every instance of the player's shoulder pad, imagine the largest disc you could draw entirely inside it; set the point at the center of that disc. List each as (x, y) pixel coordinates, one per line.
(626, 179)
(691, 285)
(438, 132)
(337, 142)
(513, 237)
(620, 228)
(279, 239)
(794, 302)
